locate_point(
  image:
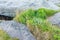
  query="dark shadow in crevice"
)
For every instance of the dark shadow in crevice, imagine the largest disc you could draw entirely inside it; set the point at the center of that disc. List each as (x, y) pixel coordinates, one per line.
(2, 17)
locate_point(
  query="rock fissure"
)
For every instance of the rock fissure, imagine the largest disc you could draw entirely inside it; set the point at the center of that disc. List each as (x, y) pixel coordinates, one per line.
(2, 17)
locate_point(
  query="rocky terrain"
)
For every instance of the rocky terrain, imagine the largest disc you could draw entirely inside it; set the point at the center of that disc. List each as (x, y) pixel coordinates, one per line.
(8, 9)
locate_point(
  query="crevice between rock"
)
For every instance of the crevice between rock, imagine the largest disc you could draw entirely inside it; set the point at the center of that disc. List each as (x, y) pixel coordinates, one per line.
(2, 17)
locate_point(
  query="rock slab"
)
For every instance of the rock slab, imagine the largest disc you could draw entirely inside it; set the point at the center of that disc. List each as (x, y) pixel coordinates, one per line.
(17, 30)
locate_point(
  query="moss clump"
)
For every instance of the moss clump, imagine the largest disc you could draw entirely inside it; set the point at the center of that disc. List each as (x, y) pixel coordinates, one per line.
(38, 25)
(5, 36)
(49, 12)
(30, 14)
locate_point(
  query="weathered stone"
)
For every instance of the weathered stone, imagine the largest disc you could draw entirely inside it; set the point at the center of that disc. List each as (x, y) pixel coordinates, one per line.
(9, 7)
(17, 30)
(55, 19)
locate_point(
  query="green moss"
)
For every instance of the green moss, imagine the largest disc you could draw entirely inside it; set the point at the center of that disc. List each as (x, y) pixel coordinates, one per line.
(49, 12)
(30, 14)
(41, 13)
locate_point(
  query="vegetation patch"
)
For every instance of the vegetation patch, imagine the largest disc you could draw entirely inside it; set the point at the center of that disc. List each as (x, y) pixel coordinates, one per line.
(38, 25)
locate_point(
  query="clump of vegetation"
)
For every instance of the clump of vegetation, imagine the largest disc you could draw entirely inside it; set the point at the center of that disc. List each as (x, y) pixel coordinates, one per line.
(43, 30)
(5, 36)
(38, 25)
(30, 14)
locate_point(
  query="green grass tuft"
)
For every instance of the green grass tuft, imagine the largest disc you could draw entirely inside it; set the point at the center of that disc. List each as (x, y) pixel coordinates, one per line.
(38, 25)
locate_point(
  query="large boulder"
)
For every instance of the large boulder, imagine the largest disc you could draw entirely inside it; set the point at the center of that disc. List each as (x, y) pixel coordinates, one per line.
(9, 7)
(17, 30)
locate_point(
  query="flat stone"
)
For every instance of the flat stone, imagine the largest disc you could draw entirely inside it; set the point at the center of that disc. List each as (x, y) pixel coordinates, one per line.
(17, 30)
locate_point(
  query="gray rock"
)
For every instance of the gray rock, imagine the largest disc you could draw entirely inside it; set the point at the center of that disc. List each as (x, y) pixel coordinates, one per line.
(9, 7)
(11, 12)
(17, 30)
(55, 19)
